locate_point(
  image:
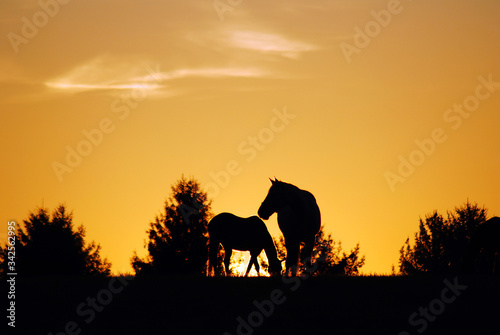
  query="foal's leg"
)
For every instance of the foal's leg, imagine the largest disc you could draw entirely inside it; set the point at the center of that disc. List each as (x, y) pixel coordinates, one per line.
(256, 263)
(253, 261)
(249, 265)
(227, 259)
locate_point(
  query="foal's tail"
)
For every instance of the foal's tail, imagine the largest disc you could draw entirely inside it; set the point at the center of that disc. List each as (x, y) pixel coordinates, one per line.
(212, 255)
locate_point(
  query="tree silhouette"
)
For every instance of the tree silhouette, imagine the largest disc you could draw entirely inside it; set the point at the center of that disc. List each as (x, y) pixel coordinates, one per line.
(178, 237)
(440, 244)
(51, 246)
(329, 256)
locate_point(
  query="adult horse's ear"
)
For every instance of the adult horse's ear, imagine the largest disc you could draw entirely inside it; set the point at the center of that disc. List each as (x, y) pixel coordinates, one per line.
(272, 181)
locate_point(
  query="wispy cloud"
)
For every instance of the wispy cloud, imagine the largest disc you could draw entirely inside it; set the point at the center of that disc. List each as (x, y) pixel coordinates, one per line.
(254, 41)
(106, 73)
(214, 73)
(269, 43)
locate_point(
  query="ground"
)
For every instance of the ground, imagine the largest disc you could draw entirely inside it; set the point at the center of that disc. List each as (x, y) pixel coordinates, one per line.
(199, 305)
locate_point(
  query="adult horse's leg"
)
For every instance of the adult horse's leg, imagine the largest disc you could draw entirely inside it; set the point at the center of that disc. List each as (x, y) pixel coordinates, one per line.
(306, 254)
(227, 259)
(292, 256)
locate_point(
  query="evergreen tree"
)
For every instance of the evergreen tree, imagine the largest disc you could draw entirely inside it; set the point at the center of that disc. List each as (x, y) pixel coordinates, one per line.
(178, 237)
(51, 246)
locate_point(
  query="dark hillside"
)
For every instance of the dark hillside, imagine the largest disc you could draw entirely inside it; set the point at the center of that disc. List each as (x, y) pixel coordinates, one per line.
(192, 305)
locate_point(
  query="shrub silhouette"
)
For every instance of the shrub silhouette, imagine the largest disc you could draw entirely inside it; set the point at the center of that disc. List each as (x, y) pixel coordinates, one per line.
(486, 239)
(329, 257)
(51, 246)
(178, 237)
(440, 244)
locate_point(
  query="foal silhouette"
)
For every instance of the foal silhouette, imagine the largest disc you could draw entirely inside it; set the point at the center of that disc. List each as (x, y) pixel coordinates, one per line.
(487, 237)
(299, 219)
(244, 234)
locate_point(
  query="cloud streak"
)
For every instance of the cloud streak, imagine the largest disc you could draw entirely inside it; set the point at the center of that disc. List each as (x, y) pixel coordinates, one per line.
(269, 43)
(253, 41)
(107, 73)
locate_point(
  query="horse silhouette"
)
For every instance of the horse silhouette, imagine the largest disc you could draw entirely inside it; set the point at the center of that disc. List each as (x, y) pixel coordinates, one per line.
(244, 234)
(487, 237)
(299, 219)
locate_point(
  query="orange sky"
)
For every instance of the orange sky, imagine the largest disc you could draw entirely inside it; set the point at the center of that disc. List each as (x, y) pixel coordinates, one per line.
(384, 110)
